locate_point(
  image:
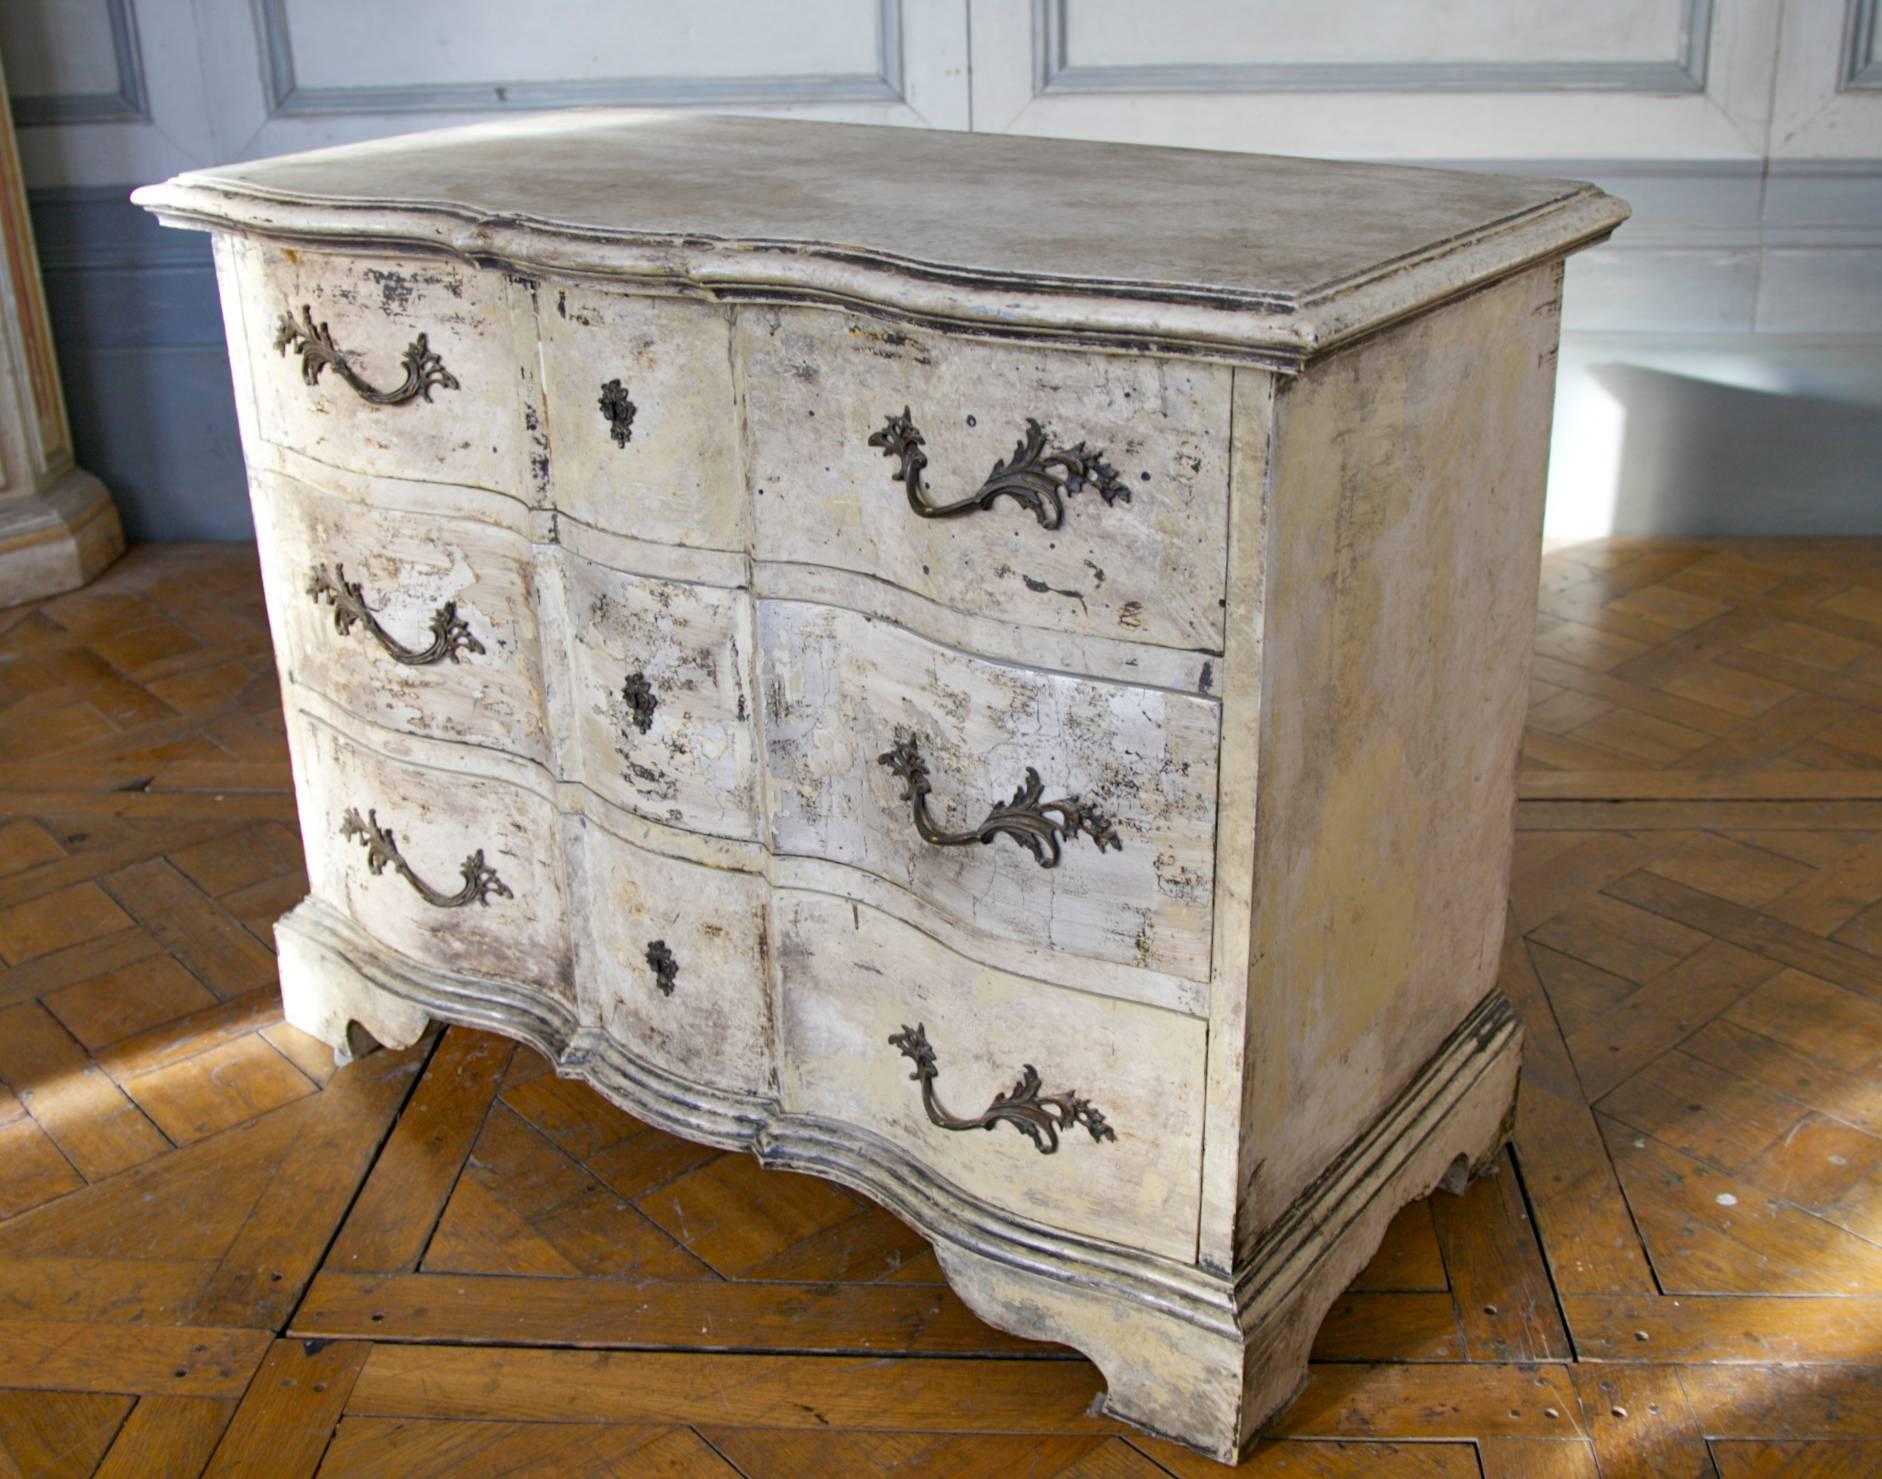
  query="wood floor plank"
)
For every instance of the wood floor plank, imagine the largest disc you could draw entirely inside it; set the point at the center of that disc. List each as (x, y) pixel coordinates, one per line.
(389, 1225)
(100, 1130)
(287, 1417)
(1744, 927)
(1588, 1235)
(1434, 1402)
(161, 1290)
(1696, 785)
(166, 1437)
(809, 1392)
(1535, 1458)
(403, 1448)
(1806, 1460)
(1365, 1326)
(680, 1314)
(1831, 1403)
(1320, 1459)
(1642, 1424)
(1505, 1305)
(220, 953)
(261, 1275)
(1755, 1328)
(57, 1435)
(163, 1361)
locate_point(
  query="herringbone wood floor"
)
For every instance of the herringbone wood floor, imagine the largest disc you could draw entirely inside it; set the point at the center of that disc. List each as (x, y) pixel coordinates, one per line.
(216, 1251)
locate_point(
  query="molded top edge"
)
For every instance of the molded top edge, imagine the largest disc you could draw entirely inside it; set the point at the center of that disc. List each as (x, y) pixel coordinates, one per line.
(1245, 252)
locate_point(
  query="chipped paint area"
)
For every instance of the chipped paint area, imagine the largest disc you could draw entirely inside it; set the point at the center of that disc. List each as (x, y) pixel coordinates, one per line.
(677, 482)
(409, 568)
(1138, 1065)
(1148, 567)
(841, 688)
(696, 764)
(376, 306)
(715, 1028)
(438, 819)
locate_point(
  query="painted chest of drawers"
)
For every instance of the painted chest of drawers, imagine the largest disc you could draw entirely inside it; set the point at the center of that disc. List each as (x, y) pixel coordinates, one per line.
(986, 669)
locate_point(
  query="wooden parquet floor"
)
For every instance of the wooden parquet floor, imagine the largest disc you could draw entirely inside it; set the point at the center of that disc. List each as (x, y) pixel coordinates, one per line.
(217, 1253)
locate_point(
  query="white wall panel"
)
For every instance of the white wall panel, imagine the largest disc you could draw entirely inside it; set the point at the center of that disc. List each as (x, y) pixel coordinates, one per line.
(1827, 96)
(1536, 43)
(72, 61)
(1385, 79)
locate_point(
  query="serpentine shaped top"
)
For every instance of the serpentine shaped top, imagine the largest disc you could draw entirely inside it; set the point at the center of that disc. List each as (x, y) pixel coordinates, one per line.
(1178, 250)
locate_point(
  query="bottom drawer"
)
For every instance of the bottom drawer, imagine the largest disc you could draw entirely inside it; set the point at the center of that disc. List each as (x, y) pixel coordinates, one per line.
(453, 870)
(672, 961)
(1127, 1077)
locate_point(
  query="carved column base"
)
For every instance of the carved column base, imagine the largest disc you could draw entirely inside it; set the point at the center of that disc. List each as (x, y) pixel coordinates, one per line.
(58, 539)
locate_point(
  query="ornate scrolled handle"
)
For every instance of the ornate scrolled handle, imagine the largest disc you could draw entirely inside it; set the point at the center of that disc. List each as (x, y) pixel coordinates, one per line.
(1039, 1117)
(424, 370)
(450, 633)
(1027, 478)
(480, 879)
(1026, 819)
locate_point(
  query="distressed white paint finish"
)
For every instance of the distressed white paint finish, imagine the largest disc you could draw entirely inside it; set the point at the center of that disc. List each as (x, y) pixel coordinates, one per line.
(1405, 507)
(840, 689)
(1280, 991)
(408, 564)
(439, 818)
(695, 766)
(851, 977)
(1150, 569)
(486, 433)
(1013, 239)
(715, 1027)
(676, 479)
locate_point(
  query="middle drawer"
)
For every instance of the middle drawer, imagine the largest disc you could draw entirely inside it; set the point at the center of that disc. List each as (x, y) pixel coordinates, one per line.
(1068, 814)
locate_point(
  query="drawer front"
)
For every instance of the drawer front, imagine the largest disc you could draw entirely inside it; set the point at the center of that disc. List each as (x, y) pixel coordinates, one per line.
(459, 871)
(413, 621)
(853, 978)
(1141, 550)
(400, 366)
(640, 400)
(662, 710)
(841, 693)
(672, 958)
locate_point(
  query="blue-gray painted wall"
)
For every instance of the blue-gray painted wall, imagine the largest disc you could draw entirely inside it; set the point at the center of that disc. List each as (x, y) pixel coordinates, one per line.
(139, 334)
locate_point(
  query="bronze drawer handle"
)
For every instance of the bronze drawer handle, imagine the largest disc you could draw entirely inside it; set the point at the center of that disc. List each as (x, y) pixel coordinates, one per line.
(450, 633)
(1039, 1117)
(1025, 818)
(480, 879)
(1027, 479)
(314, 343)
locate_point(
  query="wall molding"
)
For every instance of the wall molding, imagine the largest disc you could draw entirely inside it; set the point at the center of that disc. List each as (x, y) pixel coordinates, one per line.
(129, 104)
(1861, 72)
(285, 97)
(1686, 72)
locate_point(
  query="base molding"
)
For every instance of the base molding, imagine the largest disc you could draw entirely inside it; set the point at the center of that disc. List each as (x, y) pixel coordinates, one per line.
(56, 539)
(1189, 1354)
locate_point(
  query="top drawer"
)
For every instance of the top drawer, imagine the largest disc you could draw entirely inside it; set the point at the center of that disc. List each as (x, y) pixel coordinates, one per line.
(1085, 493)
(400, 366)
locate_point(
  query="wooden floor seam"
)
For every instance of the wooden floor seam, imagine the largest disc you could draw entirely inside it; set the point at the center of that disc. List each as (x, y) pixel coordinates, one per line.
(220, 1255)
